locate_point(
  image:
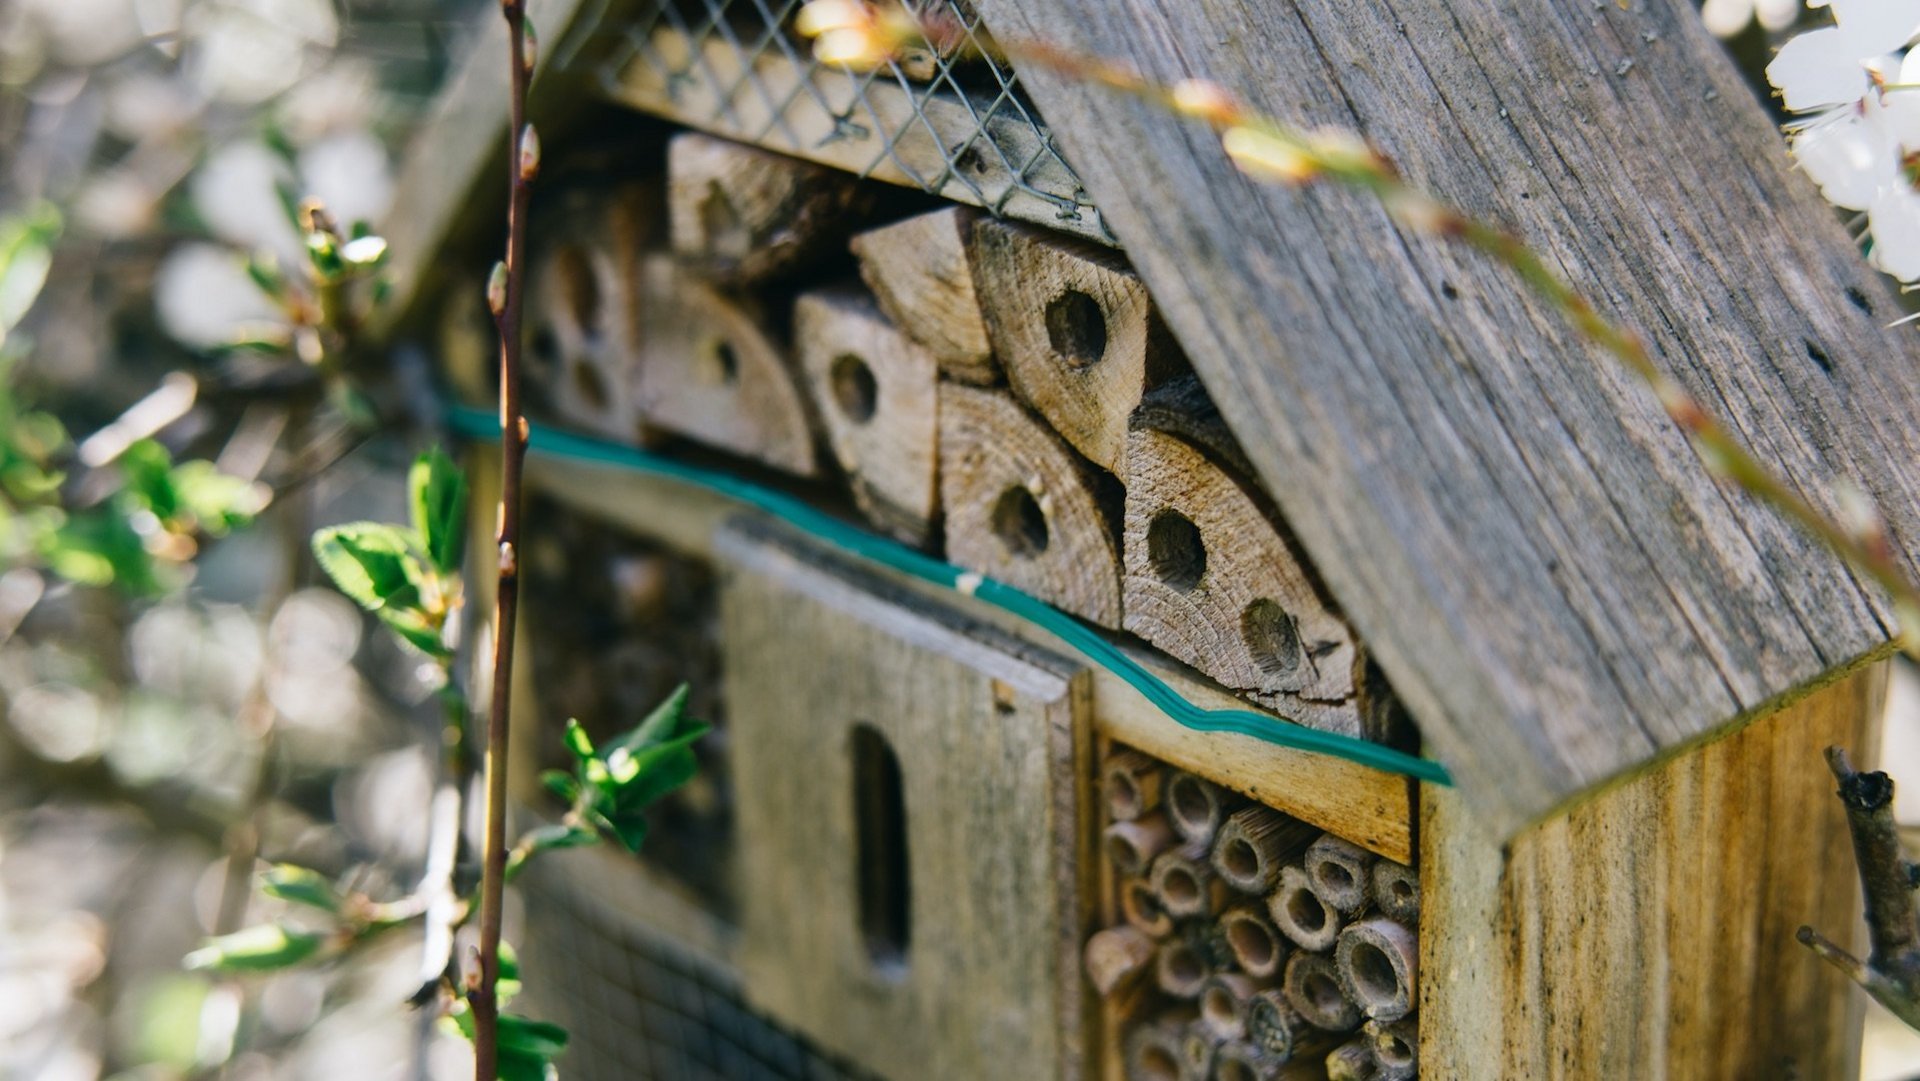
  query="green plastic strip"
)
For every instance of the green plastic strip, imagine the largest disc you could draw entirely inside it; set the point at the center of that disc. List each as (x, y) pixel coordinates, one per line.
(484, 424)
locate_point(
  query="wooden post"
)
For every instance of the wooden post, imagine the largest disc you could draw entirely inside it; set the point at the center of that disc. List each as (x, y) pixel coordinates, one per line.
(1212, 581)
(921, 270)
(712, 371)
(1379, 963)
(1075, 332)
(1312, 987)
(1022, 508)
(1251, 845)
(1341, 874)
(740, 214)
(877, 393)
(1300, 913)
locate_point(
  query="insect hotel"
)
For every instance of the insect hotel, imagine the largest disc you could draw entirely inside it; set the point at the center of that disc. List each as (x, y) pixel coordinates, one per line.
(1161, 626)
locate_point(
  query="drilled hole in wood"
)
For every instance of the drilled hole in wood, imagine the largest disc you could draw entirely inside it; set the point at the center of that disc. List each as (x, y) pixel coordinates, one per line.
(1306, 911)
(545, 346)
(1077, 328)
(854, 390)
(589, 385)
(1372, 973)
(879, 800)
(579, 289)
(1252, 944)
(1819, 356)
(1859, 299)
(1020, 523)
(1271, 639)
(1175, 551)
(720, 365)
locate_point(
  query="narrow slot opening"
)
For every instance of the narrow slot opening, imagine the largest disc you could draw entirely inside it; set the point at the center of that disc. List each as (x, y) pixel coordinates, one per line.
(880, 824)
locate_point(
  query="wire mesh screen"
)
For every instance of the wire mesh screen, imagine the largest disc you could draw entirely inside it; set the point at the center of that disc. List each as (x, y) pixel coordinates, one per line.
(639, 1007)
(950, 121)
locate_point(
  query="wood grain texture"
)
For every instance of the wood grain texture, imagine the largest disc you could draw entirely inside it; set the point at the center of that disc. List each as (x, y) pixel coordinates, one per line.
(740, 214)
(877, 393)
(1544, 569)
(921, 269)
(715, 369)
(1074, 330)
(993, 749)
(586, 288)
(1649, 933)
(1023, 508)
(1210, 580)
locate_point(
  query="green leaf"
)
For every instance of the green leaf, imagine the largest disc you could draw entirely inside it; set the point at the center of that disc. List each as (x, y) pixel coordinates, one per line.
(301, 886)
(630, 831)
(663, 724)
(578, 741)
(265, 948)
(26, 255)
(371, 562)
(507, 984)
(415, 629)
(146, 469)
(438, 494)
(519, 1066)
(530, 1037)
(213, 502)
(561, 784)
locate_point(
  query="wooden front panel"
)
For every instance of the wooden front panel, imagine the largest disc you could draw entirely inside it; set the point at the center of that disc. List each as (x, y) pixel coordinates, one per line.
(989, 737)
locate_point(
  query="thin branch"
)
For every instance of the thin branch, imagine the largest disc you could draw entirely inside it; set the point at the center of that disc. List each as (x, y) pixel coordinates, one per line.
(504, 298)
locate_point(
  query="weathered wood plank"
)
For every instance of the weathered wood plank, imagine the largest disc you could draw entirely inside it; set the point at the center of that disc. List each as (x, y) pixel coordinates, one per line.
(972, 960)
(1546, 572)
(1649, 933)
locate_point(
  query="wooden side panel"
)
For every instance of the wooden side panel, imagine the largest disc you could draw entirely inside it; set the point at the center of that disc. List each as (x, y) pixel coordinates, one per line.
(1548, 575)
(1649, 933)
(990, 739)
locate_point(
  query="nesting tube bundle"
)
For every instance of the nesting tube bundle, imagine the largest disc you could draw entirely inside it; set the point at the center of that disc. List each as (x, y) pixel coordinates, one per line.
(1249, 945)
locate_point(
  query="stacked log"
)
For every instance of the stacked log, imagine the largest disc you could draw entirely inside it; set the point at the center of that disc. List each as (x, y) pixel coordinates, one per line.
(1275, 950)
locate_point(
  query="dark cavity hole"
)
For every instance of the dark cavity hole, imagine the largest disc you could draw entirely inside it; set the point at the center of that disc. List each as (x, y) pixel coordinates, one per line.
(1335, 877)
(1306, 911)
(1175, 551)
(1323, 992)
(1123, 853)
(720, 221)
(1123, 796)
(545, 345)
(1447, 290)
(1402, 890)
(1819, 356)
(971, 160)
(1020, 523)
(590, 386)
(1859, 299)
(1218, 1006)
(1241, 859)
(579, 289)
(1077, 328)
(1190, 803)
(1181, 887)
(1233, 1069)
(1158, 1065)
(1270, 636)
(1251, 943)
(1185, 965)
(1394, 1051)
(723, 364)
(879, 802)
(853, 387)
(1373, 975)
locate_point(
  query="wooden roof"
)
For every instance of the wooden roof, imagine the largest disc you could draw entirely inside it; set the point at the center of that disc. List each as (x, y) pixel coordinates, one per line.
(1549, 576)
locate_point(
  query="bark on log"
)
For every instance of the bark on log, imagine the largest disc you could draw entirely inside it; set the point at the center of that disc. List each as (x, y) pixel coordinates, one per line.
(1341, 873)
(1257, 945)
(1117, 957)
(877, 393)
(1312, 987)
(921, 270)
(742, 215)
(1300, 912)
(1253, 843)
(1212, 581)
(712, 371)
(1075, 332)
(1131, 782)
(1379, 965)
(1022, 508)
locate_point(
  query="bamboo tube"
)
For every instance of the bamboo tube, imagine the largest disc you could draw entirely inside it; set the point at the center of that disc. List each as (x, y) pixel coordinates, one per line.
(1180, 967)
(1023, 508)
(1396, 1047)
(1131, 782)
(921, 271)
(1223, 1003)
(1257, 946)
(1312, 987)
(1152, 1051)
(1379, 965)
(1396, 889)
(1116, 957)
(1187, 883)
(1197, 807)
(1210, 579)
(1341, 873)
(1075, 332)
(740, 214)
(1198, 1045)
(1279, 1031)
(710, 370)
(1140, 906)
(876, 392)
(1351, 1061)
(1252, 843)
(1133, 846)
(1300, 914)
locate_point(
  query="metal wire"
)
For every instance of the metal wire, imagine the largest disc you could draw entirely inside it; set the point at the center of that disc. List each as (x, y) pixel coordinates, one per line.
(990, 147)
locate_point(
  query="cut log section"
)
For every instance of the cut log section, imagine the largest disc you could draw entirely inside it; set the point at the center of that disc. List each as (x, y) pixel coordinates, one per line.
(921, 270)
(1300, 913)
(1256, 943)
(877, 393)
(1252, 844)
(1312, 987)
(1210, 580)
(741, 214)
(1116, 957)
(1075, 332)
(712, 372)
(1341, 874)
(1379, 964)
(1131, 782)
(1396, 889)
(585, 330)
(1022, 508)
